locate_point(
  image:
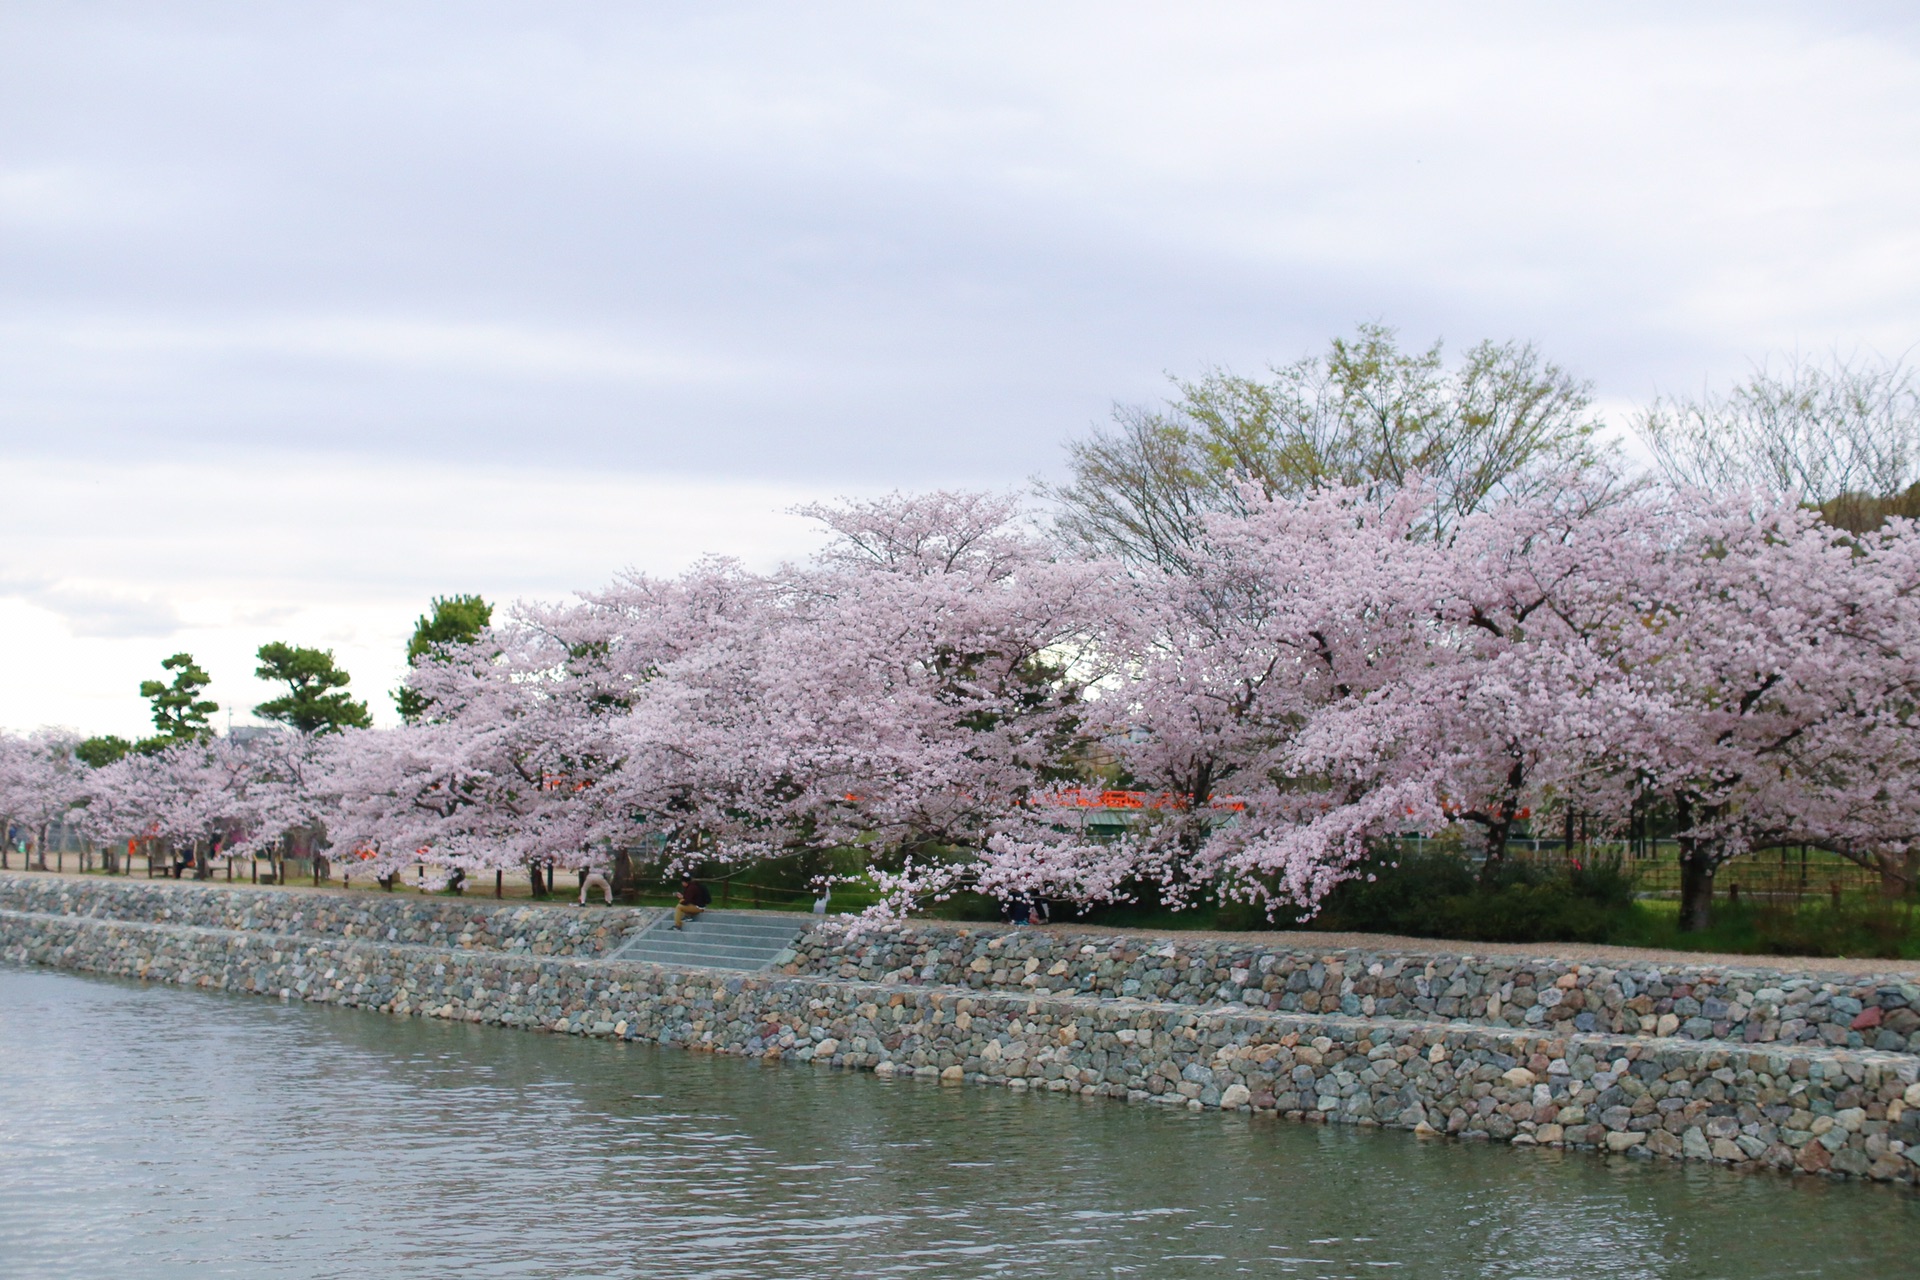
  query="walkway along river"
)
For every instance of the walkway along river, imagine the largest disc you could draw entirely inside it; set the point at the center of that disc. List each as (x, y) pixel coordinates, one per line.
(1751, 1068)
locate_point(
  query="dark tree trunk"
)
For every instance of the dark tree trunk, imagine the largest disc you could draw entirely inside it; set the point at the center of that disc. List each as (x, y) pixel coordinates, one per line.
(1896, 874)
(1498, 830)
(458, 880)
(1697, 870)
(622, 875)
(1500, 817)
(536, 884)
(1698, 863)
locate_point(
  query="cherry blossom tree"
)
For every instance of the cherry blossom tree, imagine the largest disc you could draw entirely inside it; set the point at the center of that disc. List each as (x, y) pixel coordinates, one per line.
(911, 690)
(1768, 694)
(1296, 606)
(1322, 673)
(193, 795)
(41, 784)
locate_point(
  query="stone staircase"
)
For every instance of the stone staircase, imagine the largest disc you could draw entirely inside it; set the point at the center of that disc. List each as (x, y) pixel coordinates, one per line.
(741, 940)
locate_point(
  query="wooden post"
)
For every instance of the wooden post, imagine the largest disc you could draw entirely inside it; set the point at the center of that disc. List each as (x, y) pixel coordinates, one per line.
(499, 884)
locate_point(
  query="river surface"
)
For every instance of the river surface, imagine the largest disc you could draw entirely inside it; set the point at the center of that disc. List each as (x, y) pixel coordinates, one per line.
(151, 1131)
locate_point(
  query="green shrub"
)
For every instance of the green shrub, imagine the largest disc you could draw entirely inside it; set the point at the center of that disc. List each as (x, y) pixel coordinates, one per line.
(1438, 895)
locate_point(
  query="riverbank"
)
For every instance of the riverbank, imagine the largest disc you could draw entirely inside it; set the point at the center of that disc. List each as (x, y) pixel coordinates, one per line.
(1752, 1067)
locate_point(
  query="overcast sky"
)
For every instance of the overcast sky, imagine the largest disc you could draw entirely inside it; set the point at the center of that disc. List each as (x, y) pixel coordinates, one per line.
(308, 312)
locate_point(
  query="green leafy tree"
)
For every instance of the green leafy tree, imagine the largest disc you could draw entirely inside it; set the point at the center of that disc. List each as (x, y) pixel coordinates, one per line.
(315, 701)
(179, 712)
(454, 620)
(98, 752)
(1498, 420)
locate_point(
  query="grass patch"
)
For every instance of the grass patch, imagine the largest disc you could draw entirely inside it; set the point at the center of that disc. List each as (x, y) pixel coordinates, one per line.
(1856, 929)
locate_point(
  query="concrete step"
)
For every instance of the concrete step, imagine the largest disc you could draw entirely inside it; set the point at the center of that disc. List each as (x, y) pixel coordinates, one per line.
(715, 940)
(751, 926)
(695, 951)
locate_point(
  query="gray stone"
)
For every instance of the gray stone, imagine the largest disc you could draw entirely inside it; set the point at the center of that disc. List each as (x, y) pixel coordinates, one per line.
(908, 1000)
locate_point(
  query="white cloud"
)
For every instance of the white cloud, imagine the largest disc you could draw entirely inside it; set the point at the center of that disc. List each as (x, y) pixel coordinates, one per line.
(903, 244)
(381, 342)
(90, 610)
(499, 298)
(332, 552)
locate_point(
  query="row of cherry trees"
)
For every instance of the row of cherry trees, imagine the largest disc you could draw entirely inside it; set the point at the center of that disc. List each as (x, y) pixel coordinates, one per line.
(1324, 672)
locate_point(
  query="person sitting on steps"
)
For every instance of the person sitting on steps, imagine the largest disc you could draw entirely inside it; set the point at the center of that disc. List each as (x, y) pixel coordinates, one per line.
(693, 900)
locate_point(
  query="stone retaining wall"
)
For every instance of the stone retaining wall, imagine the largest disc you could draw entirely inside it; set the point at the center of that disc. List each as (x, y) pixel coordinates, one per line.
(1806, 1108)
(400, 917)
(1690, 1002)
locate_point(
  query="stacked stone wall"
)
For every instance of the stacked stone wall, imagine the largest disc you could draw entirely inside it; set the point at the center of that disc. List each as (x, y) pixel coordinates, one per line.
(1690, 1002)
(1810, 1108)
(402, 917)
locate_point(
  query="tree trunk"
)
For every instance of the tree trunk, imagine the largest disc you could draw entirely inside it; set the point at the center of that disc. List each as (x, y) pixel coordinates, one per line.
(622, 875)
(535, 884)
(1498, 830)
(1697, 868)
(1500, 823)
(1896, 874)
(202, 864)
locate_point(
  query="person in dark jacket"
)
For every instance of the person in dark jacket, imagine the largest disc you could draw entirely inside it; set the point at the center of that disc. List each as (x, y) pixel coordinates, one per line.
(693, 900)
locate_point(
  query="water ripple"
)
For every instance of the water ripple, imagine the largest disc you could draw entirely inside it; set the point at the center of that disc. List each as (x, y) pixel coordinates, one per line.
(157, 1132)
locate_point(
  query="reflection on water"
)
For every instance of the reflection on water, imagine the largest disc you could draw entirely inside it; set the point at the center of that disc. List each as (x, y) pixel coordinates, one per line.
(151, 1131)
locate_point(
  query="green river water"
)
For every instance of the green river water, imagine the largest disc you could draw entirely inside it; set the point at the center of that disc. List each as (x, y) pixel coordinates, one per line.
(149, 1131)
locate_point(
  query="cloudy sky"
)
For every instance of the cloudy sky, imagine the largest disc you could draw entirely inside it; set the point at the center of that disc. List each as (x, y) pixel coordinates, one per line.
(308, 312)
